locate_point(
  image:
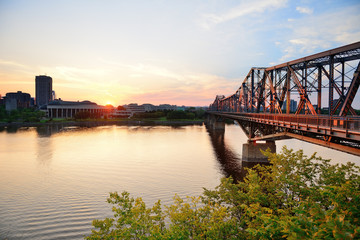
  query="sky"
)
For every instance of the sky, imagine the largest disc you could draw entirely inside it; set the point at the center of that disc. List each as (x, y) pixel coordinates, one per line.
(156, 51)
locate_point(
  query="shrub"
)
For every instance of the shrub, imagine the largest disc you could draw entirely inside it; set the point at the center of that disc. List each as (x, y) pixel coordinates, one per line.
(295, 197)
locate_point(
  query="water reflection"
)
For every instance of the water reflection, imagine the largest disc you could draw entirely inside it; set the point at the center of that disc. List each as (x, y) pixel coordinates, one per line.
(231, 164)
(11, 129)
(44, 150)
(48, 130)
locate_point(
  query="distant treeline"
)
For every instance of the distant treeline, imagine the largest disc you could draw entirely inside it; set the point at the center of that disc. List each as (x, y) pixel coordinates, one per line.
(190, 113)
(34, 115)
(20, 115)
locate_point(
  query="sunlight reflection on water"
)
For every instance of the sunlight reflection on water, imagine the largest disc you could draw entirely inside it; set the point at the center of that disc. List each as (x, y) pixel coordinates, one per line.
(54, 180)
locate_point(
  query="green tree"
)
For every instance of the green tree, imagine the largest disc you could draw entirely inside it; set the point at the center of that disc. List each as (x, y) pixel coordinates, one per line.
(3, 114)
(200, 113)
(179, 114)
(157, 114)
(21, 115)
(295, 197)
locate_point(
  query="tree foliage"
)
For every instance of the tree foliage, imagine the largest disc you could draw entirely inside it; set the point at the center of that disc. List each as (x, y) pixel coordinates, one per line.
(154, 114)
(295, 197)
(179, 114)
(21, 115)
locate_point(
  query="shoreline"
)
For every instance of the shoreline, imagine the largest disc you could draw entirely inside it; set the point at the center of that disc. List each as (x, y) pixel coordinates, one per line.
(141, 122)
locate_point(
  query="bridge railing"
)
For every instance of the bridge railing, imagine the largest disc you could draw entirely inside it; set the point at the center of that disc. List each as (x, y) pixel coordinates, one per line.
(316, 121)
(351, 123)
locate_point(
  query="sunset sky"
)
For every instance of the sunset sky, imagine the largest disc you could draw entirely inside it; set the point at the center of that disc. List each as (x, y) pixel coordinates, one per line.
(156, 51)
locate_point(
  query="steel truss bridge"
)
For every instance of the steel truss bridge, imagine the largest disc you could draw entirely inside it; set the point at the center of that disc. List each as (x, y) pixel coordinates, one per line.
(309, 99)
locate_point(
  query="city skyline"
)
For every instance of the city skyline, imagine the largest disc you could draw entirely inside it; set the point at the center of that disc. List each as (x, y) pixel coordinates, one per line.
(182, 53)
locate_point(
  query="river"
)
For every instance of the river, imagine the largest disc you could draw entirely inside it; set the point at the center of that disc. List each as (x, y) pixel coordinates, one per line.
(54, 180)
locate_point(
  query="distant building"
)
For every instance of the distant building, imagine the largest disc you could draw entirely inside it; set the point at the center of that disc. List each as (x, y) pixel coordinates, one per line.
(293, 106)
(68, 109)
(10, 104)
(17, 100)
(148, 107)
(163, 107)
(121, 113)
(182, 108)
(53, 95)
(43, 90)
(135, 108)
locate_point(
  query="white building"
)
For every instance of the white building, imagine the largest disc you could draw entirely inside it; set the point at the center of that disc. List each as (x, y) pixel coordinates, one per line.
(135, 108)
(68, 109)
(121, 113)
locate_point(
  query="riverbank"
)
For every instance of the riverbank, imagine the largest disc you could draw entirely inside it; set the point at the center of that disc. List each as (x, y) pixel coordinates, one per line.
(97, 122)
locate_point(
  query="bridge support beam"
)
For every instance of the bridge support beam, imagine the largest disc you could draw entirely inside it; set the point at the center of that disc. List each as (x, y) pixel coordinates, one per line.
(251, 151)
(216, 123)
(219, 125)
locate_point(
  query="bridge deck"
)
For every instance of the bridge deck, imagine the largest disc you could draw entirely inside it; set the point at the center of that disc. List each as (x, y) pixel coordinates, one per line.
(341, 133)
(342, 127)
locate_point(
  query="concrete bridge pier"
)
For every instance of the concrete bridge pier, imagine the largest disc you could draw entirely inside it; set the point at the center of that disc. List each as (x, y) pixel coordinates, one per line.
(251, 151)
(215, 123)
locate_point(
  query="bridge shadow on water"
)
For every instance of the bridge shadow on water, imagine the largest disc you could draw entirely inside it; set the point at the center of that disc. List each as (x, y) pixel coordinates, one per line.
(231, 163)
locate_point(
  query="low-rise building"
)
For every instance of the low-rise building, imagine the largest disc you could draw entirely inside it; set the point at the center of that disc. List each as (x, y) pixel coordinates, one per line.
(17, 100)
(121, 113)
(135, 108)
(163, 107)
(148, 107)
(68, 109)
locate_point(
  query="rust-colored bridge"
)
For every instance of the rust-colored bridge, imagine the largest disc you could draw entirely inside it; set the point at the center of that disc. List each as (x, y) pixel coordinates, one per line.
(310, 99)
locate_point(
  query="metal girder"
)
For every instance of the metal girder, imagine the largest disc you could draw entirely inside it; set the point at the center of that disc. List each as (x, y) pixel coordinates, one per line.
(261, 99)
(344, 53)
(284, 90)
(324, 143)
(275, 100)
(304, 99)
(268, 87)
(339, 91)
(273, 88)
(351, 92)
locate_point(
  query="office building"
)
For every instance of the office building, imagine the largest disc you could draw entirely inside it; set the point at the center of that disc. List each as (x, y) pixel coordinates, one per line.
(293, 106)
(43, 90)
(17, 100)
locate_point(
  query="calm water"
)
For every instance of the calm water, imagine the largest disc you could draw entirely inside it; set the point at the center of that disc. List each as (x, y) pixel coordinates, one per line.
(55, 180)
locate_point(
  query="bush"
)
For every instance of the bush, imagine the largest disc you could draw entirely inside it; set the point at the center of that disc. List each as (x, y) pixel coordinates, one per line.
(295, 197)
(157, 114)
(180, 115)
(25, 114)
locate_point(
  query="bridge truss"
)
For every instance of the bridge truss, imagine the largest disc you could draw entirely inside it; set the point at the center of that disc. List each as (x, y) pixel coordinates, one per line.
(309, 98)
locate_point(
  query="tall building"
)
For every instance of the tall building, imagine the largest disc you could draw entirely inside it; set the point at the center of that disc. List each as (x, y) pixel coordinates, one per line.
(43, 90)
